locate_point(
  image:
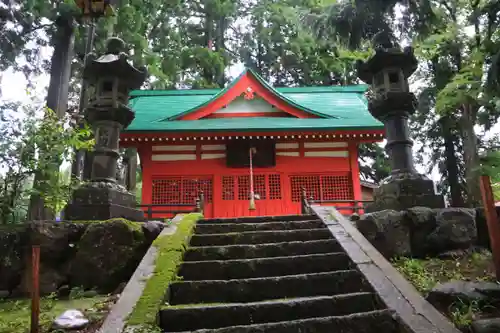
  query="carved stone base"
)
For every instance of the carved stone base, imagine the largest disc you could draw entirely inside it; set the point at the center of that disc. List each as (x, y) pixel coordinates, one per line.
(405, 190)
(102, 201)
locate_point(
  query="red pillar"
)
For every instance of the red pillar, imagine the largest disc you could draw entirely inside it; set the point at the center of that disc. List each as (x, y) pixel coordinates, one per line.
(492, 221)
(145, 154)
(354, 164)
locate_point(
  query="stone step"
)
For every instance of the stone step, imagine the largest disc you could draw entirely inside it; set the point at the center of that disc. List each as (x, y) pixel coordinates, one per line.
(190, 318)
(263, 267)
(368, 322)
(269, 250)
(260, 237)
(221, 228)
(257, 289)
(259, 219)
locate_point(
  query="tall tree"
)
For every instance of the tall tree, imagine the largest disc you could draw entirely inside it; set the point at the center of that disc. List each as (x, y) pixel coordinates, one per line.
(464, 94)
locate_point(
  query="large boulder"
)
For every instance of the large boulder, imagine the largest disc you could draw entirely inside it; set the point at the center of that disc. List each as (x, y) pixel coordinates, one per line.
(483, 236)
(13, 240)
(57, 247)
(57, 240)
(446, 294)
(152, 229)
(489, 325)
(422, 222)
(420, 231)
(107, 254)
(388, 231)
(455, 229)
(50, 279)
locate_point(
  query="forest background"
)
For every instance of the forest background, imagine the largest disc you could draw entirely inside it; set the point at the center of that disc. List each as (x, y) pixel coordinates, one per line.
(206, 43)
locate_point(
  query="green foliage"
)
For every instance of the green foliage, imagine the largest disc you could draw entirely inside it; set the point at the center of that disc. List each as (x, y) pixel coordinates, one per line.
(33, 140)
(424, 274)
(15, 314)
(171, 249)
(490, 165)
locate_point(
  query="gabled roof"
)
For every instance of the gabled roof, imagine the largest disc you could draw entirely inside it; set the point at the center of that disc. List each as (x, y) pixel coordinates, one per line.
(248, 82)
(314, 108)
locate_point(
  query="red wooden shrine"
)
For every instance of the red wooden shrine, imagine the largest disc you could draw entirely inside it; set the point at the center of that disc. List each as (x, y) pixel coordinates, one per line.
(182, 137)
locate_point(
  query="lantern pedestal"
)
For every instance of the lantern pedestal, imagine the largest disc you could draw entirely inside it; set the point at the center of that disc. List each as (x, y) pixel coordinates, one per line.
(99, 201)
(405, 190)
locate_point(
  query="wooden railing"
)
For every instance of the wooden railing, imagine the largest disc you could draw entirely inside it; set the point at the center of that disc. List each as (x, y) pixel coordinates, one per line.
(172, 209)
(355, 206)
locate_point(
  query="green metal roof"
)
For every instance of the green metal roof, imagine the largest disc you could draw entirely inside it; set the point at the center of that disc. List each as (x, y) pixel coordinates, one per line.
(340, 107)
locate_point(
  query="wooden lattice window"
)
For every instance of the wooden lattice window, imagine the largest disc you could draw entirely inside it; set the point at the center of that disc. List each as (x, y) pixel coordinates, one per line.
(336, 188)
(266, 186)
(322, 187)
(227, 188)
(181, 189)
(274, 183)
(310, 183)
(166, 191)
(259, 186)
(243, 187)
(206, 185)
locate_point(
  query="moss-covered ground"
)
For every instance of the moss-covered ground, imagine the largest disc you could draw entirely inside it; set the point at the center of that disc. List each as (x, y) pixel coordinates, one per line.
(171, 250)
(15, 314)
(425, 274)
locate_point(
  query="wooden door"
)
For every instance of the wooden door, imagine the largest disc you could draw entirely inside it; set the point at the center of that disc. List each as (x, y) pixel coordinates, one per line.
(268, 188)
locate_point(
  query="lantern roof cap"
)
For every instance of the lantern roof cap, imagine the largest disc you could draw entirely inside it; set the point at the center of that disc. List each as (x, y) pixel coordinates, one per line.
(114, 63)
(388, 54)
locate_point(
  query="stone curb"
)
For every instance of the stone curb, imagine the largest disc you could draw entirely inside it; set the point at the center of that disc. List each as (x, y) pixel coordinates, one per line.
(394, 290)
(116, 320)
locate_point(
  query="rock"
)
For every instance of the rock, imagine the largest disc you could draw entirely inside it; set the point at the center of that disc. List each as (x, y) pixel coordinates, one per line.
(64, 291)
(446, 294)
(387, 231)
(152, 229)
(491, 325)
(56, 240)
(120, 288)
(13, 241)
(4, 294)
(422, 222)
(107, 255)
(483, 236)
(89, 294)
(70, 320)
(453, 254)
(50, 280)
(354, 217)
(455, 229)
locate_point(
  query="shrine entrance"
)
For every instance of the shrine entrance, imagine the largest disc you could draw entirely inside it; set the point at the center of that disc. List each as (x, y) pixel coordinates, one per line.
(270, 195)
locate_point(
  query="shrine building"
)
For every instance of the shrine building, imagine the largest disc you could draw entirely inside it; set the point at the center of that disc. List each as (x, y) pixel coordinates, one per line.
(212, 140)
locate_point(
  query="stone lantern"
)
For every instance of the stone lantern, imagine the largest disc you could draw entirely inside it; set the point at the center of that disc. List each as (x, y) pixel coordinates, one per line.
(391, 102)
(112, 77)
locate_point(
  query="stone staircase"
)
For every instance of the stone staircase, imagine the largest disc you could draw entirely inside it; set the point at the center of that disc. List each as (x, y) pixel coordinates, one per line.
(272, 274)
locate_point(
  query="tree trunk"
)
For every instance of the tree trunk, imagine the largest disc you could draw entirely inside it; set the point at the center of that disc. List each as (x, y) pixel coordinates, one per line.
(220, 48)
(471, 156)
(209, 26)
(57, 100)
(451, 162)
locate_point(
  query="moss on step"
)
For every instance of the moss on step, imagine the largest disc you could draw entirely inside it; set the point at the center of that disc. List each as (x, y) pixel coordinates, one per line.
(133, 225)
(171, 249)
(187, 306)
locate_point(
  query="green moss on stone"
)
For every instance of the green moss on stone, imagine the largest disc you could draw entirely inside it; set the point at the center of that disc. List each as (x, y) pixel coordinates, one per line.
(171, 250)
